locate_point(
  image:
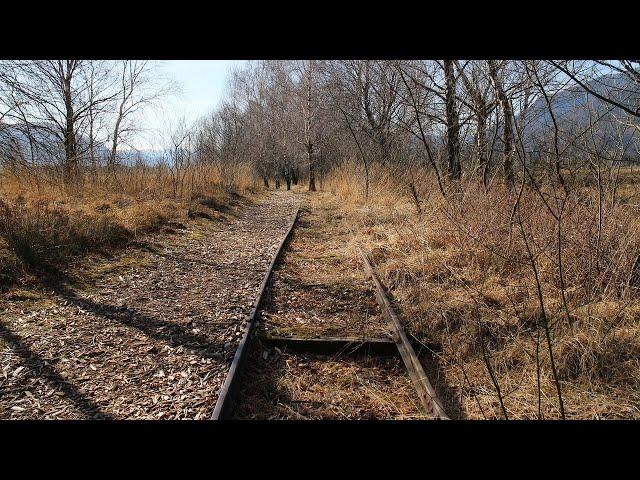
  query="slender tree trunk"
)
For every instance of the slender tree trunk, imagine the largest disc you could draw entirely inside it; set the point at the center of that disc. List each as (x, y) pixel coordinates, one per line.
(70, 147)
(92, 152)
(114, 144)
(507, 114)
(312, 172)
(308, 125)
(453, 123)
(287, 176)
(481, 145)
(481, 111)
(364, 158)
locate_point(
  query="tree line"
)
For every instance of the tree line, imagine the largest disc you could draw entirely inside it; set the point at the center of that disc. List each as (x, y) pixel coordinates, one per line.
(491, 120)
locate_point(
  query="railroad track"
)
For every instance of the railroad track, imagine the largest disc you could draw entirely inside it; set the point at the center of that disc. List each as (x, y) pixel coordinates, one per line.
(397, 345)
(231, 382)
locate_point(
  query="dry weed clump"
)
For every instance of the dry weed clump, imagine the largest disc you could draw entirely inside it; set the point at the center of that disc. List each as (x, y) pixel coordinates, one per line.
(461, 272)
(43, 224)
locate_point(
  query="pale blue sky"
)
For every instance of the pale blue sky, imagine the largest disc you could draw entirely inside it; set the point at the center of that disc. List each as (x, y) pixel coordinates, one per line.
(202, 85)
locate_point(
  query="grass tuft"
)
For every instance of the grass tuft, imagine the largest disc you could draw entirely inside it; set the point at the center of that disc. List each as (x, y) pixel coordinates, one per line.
(462, 277)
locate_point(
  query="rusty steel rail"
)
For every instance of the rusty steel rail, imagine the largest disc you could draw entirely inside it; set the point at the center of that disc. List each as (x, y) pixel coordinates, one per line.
(426, 392)
(229, 387)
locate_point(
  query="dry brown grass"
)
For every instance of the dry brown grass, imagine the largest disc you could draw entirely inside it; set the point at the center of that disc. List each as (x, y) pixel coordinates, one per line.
(43, 224)
(463, 279)
(304, 386)
(317, 288)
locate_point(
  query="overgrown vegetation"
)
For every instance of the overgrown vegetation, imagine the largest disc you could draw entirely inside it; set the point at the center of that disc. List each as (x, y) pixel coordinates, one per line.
(43, 228)
(466, 274)
(499, 198)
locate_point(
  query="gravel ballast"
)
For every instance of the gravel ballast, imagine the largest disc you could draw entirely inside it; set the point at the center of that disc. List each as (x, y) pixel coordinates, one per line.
(148, 333)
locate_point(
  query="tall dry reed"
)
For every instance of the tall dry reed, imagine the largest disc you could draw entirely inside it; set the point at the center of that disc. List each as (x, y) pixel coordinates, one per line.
(467, 271)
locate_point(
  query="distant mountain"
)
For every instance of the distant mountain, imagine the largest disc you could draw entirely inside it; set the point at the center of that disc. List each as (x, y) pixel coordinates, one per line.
(131, 157)
(575, 110)
(47, 147)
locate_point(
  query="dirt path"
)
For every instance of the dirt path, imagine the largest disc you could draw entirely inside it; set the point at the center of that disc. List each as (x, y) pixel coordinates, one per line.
(146, 334)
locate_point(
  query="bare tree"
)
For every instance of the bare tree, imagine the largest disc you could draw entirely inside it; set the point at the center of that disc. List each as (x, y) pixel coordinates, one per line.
(309, 113)
(507, 117)
(139, 85)
(178, 154)
(482, 105)
(56, 98)
(419, 98)
(453, 123)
